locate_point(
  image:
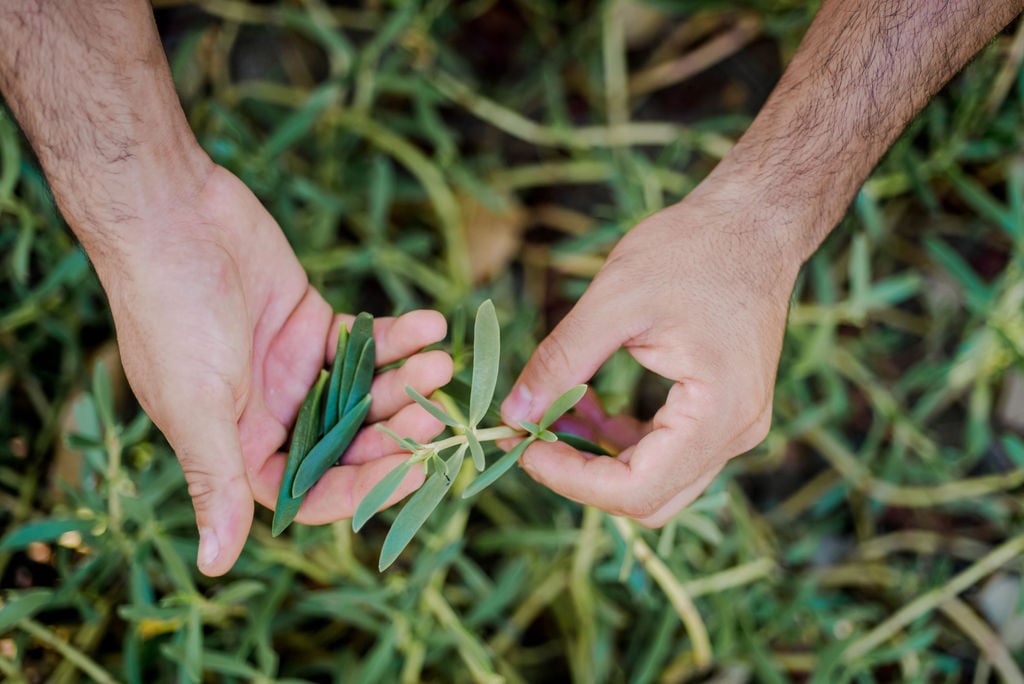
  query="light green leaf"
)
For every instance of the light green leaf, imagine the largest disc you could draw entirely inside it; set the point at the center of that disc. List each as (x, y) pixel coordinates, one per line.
(532, 428)
(486, 354)
(561, 405)
(547, 436)
(476, 450)
(403, 442)
(416, 511)
(103, 396)
(431, 407)
(487, 478)
(379, 495)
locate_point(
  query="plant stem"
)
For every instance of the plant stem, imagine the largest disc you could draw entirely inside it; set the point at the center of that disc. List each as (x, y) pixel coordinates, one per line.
(485, 435)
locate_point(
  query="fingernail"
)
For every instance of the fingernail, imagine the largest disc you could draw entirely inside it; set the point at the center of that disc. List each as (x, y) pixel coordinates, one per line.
(517, 406)
(209, 547)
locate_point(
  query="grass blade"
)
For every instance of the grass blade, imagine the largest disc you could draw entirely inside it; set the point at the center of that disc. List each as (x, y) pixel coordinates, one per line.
(487, 478)
(412, 516)
(431, 408)
(486, 354)
(328, 450)
(377, 496)
(307, 430)
(561, 405)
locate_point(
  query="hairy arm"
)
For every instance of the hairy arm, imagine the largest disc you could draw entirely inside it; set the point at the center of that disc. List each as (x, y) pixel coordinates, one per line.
(220, 333)
(699, 292)
(862, 72)
(90, 85)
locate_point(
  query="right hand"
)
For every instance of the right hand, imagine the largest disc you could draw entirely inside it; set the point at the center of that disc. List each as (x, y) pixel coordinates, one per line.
(698, 293)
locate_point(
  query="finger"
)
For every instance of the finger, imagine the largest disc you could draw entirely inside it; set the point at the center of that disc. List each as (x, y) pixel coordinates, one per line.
(207, 445)
(339, 491)
(684, 498)
(396, 338)
(423, 372)
(620, 432)
(570, 355)
(637, 484)
(412, 422)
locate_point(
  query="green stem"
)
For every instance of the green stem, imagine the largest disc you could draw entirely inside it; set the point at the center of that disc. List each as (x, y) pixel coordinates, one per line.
(69, 652)
(486, 435)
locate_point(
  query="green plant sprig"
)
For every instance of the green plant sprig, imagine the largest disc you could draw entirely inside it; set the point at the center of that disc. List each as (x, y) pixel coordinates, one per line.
(469, 437)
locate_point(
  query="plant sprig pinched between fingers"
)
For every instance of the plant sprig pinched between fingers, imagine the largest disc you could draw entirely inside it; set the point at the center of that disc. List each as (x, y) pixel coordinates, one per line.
(468, 436)
(329, 418)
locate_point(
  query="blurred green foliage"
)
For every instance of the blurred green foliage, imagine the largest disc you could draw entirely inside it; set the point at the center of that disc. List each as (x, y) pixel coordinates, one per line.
(874, 536)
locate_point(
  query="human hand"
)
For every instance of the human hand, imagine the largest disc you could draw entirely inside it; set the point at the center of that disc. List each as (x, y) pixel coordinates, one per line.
(698, 294)
(222, 336)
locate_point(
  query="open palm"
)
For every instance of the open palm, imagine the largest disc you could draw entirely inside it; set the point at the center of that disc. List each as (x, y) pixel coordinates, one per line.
(222, 336)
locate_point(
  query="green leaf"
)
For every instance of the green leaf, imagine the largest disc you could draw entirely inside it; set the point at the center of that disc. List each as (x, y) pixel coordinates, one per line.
(561, 405)
(42, 531)
(417, 510)
(404, 442)
(363, 379)
(362, 330)
(379, 495)
(547, 436)
(486, 354)
(532, 428)
(304, 436)
(328, 450)
(194, 644)
(103, 396)
(21, 605)
(431, 408)
(476, 450)
(334, 384)
(582, 444)
(487, 478)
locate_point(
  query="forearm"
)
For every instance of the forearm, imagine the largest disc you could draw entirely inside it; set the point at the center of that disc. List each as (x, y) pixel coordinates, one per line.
(863, 70)
(89, 83)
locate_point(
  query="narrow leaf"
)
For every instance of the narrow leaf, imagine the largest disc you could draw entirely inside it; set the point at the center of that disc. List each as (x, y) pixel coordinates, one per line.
(21, 605)
(412, 516)
(476, 450)
(561, 405)
(582, 444)
(379, 495)
(431, 408)
(328, 450)
(363, 379)
(362, 330)
(547, 436)
(487, 478)
(334, 384)
(403, 442)
(102, 395)
(486, 354)
(532, 428)
(304, 436)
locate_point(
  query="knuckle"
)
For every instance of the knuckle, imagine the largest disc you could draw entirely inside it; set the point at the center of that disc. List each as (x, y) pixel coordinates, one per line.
(552, 356)
(641, 508)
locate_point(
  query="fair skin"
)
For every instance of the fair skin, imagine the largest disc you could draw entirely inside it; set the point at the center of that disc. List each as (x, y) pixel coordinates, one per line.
(214, 314)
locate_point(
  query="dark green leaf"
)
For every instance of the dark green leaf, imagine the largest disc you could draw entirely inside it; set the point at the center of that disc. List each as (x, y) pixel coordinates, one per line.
(42, 531)
(103, 396)
(582, 444)
(328, 450)
(380, 493)
(362, 330)
(304, 436)
(21, 605)
(486, 355)
(363, 379)
(331, 411)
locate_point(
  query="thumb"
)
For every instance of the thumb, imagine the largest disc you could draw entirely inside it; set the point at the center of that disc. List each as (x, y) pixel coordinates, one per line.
(210, 455)
(570, 355)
